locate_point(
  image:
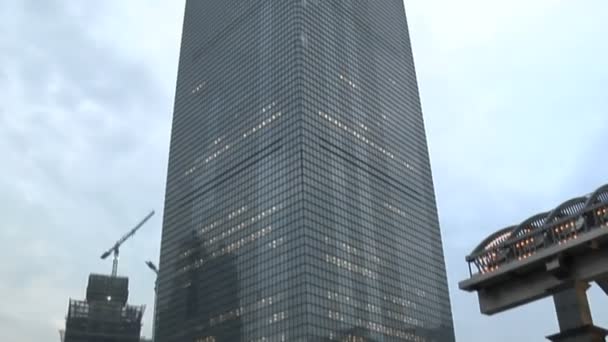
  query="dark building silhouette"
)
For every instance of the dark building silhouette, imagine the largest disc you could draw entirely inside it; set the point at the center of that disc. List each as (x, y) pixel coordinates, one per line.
(204, 286)
(104, 316)
(299, 201)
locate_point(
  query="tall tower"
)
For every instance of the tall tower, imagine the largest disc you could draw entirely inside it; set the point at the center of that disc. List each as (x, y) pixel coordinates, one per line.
(299, 202)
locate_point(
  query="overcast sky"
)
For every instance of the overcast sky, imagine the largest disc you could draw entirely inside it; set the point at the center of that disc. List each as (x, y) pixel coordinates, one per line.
(515, 98)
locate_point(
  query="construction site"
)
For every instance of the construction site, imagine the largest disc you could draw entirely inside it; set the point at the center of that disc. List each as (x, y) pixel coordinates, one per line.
(104, 315)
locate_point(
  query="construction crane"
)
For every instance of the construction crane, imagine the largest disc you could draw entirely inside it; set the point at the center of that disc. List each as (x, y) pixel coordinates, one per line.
(115, 249)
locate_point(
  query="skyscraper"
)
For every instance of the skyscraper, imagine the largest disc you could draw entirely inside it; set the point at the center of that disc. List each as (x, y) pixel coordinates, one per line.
(299, 201)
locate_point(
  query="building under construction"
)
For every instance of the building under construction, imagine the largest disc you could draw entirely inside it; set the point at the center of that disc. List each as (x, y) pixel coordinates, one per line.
(104, 316)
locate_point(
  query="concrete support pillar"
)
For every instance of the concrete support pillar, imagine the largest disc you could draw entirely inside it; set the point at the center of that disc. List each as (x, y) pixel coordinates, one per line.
(574, 316)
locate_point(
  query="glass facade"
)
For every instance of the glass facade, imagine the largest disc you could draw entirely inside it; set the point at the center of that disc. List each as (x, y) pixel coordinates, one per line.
(299, 202)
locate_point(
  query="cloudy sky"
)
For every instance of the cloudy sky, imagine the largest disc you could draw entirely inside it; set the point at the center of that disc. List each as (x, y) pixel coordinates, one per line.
(515, 97)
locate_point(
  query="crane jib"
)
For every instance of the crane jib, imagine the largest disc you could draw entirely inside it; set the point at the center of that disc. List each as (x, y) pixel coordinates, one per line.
(115, 249)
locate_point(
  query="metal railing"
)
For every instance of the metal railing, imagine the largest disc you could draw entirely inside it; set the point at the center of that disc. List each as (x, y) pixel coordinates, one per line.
(526, 242)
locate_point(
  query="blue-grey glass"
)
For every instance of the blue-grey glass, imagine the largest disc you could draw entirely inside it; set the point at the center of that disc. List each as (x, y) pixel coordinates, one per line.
(299, 201)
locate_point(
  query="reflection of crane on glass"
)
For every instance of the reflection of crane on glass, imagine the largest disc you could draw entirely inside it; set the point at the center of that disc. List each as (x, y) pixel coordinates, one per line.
(115, 249)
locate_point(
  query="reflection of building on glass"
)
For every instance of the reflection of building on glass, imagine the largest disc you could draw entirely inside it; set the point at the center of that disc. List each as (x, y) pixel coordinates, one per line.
(206, 290)
(105, 315)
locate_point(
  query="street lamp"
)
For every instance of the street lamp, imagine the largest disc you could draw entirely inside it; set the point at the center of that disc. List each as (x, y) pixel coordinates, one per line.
(154, 269)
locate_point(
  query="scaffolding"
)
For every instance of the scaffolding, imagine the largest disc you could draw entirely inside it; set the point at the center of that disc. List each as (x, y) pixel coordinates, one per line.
(104, 316)
(103, 321)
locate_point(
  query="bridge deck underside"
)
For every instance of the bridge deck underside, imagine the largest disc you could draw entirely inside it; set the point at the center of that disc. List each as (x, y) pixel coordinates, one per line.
(548, 272)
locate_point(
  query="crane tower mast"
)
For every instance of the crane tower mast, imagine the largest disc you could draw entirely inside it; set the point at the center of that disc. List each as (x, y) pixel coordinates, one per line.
(115, 250)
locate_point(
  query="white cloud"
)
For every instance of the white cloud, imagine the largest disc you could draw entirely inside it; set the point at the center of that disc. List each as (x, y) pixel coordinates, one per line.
(514, 101)
(147, 32)
(84, 143)
(456, 25)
